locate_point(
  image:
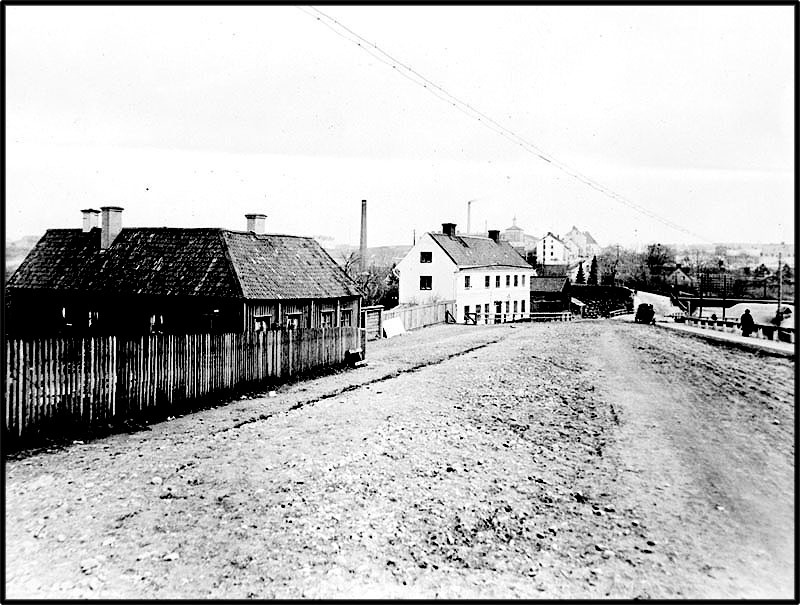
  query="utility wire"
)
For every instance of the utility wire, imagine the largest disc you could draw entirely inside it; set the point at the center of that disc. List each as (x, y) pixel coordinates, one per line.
(438, 91)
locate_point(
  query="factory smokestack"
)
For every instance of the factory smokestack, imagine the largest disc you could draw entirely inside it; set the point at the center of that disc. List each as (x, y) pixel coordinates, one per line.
(363, 245)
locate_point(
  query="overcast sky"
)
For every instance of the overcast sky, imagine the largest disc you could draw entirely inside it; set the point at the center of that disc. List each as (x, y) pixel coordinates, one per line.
(192, 116)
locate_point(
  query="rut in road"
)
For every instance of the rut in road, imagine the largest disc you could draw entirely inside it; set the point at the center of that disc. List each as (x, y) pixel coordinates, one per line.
(353, 387)
(715, 481)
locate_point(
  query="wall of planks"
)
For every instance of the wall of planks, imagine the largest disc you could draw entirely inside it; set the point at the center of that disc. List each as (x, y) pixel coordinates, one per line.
(59, 385)
(419, 316)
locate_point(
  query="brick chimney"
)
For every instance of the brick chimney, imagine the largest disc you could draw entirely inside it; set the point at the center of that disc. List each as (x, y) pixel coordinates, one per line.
(494, 235)
(91, 219)
(255, 222)
(111, 225)
(449, 229)
(362, 248)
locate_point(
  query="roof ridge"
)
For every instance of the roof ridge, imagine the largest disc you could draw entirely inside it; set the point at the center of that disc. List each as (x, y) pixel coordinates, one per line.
(231, 263)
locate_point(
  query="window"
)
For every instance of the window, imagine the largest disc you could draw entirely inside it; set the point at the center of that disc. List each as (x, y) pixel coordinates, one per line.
(426, 257)
(263, 322)
(467, 282)
(487, 281)
(508, 281)
(486, 309)
(507, 306)
(425, 282)
(516, 280)
(466, 313)
(477, 312)
(523, 279)
(497, 281)
(327, 319)
(347, 317)
(293, 320)
(522, 305)
(515, 306)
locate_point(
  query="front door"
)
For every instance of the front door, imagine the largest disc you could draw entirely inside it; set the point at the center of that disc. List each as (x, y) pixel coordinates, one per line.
(498, 310)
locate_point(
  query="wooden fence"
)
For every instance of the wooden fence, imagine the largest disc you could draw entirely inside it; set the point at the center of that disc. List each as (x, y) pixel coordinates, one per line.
(57, 386)
(419, 316)
(371, 321)
(501, 318)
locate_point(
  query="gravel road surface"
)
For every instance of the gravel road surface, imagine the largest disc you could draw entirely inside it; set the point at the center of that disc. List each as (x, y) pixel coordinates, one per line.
(591, 459)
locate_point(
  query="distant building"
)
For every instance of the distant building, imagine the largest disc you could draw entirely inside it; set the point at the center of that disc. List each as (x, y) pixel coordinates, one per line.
(483, 275)
(112, 280)
(585, 244)
(523, 243)
(551, 250)
(679, 278)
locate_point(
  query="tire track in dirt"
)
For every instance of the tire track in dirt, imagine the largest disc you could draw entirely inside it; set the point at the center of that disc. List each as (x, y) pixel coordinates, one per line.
(715, 486)
(360, 385)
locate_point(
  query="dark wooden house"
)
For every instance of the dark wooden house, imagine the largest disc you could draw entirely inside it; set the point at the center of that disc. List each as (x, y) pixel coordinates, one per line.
(110, 280)
(549, 294)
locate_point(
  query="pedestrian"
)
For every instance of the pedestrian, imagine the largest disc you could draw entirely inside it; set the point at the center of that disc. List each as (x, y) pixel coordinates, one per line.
(713, 317)
(747, 323)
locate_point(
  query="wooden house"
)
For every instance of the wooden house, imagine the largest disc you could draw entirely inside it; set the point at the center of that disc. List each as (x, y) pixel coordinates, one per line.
(109, 280)
(549, 294)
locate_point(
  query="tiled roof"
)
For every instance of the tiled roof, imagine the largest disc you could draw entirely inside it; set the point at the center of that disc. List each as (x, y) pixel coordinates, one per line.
(470, 251)
(555, 237)
(285, 266)
(185, 262)
(548, 284)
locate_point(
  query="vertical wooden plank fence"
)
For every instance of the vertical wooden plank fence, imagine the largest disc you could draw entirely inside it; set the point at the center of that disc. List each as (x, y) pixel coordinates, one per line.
(60, 384)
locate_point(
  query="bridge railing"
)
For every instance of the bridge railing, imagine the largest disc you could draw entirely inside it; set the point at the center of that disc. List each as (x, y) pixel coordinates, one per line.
(765, 331)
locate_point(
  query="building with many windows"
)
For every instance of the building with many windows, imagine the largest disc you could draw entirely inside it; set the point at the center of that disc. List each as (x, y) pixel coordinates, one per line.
(552, 250)
(488, 280)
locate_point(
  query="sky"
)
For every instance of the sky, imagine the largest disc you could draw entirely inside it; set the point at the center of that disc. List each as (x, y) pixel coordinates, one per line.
(192, 116)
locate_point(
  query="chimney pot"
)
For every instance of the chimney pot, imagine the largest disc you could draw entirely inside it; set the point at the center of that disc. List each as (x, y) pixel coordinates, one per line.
(449, 229)
(494, 235)
(111, 225)
(90, 219)
(255, 222)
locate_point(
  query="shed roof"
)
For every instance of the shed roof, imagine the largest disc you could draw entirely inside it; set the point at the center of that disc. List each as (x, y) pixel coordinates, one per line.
(471, 251)
(548, 284)
(183, 262)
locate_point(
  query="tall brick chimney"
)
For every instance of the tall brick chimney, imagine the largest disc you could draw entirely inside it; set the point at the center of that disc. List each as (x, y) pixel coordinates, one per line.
(111, 225)
(449, 229)
(255, 222)
(91, 218)
(362, 249)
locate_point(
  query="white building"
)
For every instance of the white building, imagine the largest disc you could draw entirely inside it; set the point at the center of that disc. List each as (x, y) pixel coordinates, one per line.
(551, 250)
(585, 244)
(488, 280)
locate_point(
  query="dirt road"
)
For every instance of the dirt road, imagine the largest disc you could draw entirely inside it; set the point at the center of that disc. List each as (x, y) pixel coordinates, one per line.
(585, 460)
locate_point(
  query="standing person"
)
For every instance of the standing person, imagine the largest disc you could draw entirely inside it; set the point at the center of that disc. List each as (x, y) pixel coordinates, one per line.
(748, 325)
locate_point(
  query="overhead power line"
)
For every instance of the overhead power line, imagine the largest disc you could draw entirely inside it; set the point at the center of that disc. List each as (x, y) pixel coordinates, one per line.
(441, 93)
